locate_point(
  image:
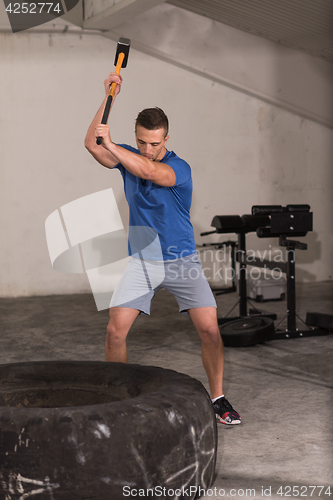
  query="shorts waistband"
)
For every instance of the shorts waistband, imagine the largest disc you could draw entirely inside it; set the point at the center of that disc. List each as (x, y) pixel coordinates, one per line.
(192, 257)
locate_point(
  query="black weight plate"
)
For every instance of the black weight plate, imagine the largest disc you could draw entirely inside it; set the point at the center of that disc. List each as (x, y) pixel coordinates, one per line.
(247, 331)
(320, 320)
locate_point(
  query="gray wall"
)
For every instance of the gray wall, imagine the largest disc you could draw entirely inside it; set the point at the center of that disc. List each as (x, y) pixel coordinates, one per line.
(243, 149)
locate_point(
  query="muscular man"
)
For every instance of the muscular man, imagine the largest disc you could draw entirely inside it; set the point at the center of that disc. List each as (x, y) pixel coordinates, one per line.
(158, 188)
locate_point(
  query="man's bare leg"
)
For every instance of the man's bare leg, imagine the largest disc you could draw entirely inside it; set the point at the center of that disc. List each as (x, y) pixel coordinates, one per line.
(121, 320)
(205, 321)
(212, 350)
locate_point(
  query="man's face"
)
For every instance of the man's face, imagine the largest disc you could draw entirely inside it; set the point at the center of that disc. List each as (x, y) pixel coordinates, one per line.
(151, 143)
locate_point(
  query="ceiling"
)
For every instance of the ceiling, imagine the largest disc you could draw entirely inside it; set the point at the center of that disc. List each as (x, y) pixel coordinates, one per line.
(305, 25)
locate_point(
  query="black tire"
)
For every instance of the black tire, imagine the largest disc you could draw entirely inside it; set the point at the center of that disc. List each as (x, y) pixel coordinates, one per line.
(247, 331)
(126, 426)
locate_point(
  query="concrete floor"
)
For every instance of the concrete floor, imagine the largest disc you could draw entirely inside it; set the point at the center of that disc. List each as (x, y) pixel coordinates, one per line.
(282, 388)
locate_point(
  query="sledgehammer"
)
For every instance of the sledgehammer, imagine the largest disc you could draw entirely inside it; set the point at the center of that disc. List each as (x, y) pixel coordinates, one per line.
(120, 61)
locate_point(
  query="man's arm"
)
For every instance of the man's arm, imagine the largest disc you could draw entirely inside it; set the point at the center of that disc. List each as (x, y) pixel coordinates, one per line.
(102, 155)
(140, 166)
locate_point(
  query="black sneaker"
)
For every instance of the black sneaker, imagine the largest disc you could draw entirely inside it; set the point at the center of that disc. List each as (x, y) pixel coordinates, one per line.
(225, 413)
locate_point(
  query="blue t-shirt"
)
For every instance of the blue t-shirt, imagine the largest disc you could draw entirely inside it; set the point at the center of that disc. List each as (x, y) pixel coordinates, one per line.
(164, 209)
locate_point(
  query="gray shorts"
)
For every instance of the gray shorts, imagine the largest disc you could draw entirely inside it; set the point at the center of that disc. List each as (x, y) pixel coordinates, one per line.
(184, 278)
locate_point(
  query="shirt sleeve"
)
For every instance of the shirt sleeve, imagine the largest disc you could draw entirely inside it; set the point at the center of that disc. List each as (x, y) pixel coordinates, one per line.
(181, 168)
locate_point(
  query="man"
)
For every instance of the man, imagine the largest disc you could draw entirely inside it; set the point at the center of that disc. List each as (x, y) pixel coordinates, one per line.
(158, 188)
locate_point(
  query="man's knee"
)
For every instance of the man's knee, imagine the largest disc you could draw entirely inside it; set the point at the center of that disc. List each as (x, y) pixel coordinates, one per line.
(115, 334)
(210, 334)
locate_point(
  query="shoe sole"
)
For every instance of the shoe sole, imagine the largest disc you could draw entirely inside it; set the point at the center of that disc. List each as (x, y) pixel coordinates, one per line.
(221, 421)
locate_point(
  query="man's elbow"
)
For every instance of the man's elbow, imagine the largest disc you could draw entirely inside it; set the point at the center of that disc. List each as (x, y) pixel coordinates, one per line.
(89, 144)
(93, 149)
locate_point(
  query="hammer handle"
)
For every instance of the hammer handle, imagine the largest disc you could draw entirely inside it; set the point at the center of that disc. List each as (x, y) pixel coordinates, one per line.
(111, 95)
(105, 116)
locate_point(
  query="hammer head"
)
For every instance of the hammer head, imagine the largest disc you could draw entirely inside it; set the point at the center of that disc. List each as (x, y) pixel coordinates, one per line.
(123, 47)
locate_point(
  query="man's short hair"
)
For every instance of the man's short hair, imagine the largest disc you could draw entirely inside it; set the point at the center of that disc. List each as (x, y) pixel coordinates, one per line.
(153, 119)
